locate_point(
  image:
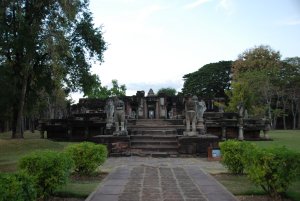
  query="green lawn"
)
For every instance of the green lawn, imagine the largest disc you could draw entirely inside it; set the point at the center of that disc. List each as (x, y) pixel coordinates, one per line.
(77, 189)
(11, 150)
(240, 184)
(288, 138)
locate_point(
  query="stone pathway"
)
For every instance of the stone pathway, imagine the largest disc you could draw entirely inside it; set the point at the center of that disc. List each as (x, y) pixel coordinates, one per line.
(163, 180)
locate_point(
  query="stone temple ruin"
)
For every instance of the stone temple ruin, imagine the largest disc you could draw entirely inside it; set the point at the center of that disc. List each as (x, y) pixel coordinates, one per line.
(154, 125)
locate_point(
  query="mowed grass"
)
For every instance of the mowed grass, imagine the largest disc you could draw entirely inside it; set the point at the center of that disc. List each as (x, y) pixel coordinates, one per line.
(288, 138)
(77, 189)
(11, 150)
(241, 185)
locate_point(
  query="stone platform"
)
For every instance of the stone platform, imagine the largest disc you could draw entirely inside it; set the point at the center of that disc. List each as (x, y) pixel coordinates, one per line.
(148, 179)
(157, 138)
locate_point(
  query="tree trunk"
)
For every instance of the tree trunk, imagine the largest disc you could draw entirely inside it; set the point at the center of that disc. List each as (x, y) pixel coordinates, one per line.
(284, 115)
(6, 125)
(274, 122)
(294, 113)
(19, 124)
(32, 124)
(298, 126)
(284, 122)
(14, 121)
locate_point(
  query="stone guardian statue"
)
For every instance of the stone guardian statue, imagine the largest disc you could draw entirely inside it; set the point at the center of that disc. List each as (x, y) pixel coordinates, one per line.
(119, 117)
(190, 116)
(109, 109)
(201, 108)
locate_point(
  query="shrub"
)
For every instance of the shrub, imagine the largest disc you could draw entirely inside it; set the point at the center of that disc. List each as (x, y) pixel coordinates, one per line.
(233, 153)
(50, 170)
(87, 156)
(273, 169)
(17, 187)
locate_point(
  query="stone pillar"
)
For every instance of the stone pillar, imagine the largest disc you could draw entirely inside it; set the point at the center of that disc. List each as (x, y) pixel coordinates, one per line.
(157, 110)
(174, 110)
(145, 110)
(42, 132)
(241, 133)
(86, 132)
(223, 133)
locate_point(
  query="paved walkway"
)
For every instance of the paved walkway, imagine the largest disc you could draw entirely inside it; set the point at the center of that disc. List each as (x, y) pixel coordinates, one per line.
(160, 179)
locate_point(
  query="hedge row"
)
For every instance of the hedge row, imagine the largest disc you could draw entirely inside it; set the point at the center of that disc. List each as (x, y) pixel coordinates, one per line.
(41, 173)
(274, 169)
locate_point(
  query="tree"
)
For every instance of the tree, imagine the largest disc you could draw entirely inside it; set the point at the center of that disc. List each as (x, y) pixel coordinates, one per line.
(103, 92)
(209, 81)
(167, 91)
(290, 77)
(257, 69)
(240, 93)
(261, 58)
(43, 44)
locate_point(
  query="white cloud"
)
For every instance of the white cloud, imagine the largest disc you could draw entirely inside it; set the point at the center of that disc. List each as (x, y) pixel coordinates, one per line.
(195, 4)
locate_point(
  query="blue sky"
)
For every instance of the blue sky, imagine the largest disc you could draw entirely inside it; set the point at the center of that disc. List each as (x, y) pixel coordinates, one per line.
(153, 43)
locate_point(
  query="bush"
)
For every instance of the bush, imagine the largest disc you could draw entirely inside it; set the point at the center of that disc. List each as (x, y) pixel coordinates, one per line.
(17, 187)
(87, 156)
(50, 170)
(233, 153)
(273, 169)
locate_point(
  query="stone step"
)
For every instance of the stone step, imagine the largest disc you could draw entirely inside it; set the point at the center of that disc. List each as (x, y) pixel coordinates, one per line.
(142, 149)
(156, 154)
(153, 132)
(155, 147)
(154, 126)
(152, 121)
(149, 142)
(154, 137)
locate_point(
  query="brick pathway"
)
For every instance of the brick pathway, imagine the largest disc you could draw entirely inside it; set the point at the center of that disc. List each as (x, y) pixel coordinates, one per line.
(160, 183)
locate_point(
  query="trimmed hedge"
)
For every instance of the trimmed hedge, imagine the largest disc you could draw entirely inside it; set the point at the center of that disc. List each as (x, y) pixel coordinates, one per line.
(87, 156)
(17, 187)
(273, 169)
(233, 154)
(50, 170)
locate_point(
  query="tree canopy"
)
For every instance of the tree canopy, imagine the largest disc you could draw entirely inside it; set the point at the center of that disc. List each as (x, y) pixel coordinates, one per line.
(103, 92)
(256, 70)
(268, 86)
(167, 91)
(45, 45)
(209, 81)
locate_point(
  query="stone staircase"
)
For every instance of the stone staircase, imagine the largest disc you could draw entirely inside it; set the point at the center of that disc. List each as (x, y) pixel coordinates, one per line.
(153, 137)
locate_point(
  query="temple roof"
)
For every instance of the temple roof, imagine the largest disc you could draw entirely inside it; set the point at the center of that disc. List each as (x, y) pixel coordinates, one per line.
(151, 93)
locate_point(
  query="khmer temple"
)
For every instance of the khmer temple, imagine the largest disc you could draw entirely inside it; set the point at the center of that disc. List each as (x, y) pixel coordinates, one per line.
(149, 124)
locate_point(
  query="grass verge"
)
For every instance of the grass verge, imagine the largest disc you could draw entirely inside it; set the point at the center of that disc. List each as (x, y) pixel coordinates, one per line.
(11, 150)
(241, 185)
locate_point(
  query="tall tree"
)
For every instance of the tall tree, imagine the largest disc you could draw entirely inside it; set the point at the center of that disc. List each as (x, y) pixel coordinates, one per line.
(103, 92)
(258, 67)
(43, 43)
(209, 81)
(167, 91)
(259, 58)
(290, 76)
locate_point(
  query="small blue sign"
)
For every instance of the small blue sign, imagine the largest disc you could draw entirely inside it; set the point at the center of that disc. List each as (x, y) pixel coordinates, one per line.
(216, 153)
